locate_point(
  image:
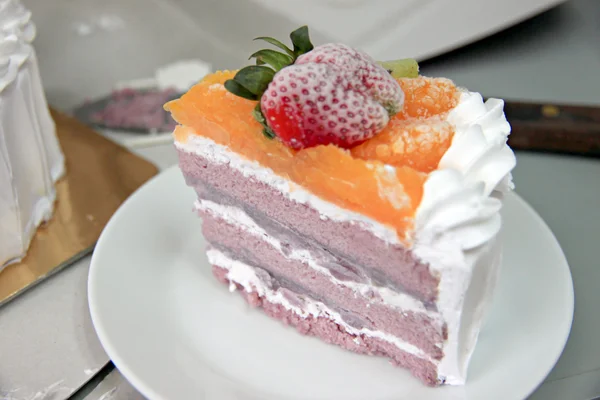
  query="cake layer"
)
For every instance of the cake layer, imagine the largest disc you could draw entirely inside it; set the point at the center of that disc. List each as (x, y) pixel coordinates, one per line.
(300, 248)
(349, 240)
(318, 321)
(339, 267)
(297, 269)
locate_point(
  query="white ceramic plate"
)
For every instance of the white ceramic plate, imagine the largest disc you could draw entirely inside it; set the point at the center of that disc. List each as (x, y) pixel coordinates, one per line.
(175, 333)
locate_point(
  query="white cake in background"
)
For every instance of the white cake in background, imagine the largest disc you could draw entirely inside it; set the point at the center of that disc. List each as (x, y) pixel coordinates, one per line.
(31, 160)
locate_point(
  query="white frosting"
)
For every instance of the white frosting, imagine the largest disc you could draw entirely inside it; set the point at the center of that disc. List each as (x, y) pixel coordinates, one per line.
(16, 33)
(246, 276)
(458, 220)
(16, 19)
(13, 54)
(237, 217)
(30, 156)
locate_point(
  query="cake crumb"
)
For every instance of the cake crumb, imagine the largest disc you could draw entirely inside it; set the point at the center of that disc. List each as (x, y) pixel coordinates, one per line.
(356, 340)
(232, 287)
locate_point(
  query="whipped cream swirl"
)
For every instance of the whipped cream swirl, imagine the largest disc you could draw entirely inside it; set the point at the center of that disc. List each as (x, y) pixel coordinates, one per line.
(458, 220)
(461, 199)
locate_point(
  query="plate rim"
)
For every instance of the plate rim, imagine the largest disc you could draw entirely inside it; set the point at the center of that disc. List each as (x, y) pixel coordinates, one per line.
(148, 392)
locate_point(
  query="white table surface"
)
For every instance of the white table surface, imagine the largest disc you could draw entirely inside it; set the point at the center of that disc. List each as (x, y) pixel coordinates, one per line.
(48, 348)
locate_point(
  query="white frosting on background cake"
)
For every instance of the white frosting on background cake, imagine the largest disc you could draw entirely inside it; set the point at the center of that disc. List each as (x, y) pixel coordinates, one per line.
(456, 224)
(30, 156)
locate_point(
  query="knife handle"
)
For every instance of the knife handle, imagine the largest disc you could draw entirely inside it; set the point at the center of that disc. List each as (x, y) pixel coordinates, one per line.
(554, 128)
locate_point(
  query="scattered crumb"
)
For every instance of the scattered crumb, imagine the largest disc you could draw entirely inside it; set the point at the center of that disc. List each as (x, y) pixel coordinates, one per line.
(232, 287)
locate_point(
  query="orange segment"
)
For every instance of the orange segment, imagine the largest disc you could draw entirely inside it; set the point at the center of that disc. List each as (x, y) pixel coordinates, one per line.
(414, 143)
(417, 137)
(389, 195)
(368, 187)
(382, 178)
(427, 97)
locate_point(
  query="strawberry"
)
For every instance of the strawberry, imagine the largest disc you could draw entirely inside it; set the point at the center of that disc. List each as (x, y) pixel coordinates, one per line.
(362, 72)
(307, 96)
(311, 104)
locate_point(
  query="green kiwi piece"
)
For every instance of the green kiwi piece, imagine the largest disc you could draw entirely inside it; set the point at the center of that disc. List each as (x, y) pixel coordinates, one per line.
(405, 68)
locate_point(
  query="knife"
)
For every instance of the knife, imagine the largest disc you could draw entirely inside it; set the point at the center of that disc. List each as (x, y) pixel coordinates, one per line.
(554, 128)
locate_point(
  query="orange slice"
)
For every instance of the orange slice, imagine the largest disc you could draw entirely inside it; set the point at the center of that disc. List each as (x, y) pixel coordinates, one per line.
(386, 185)
(414, 143)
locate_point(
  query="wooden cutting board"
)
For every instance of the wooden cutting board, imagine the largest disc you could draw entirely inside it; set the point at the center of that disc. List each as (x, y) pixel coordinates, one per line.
(100, 176)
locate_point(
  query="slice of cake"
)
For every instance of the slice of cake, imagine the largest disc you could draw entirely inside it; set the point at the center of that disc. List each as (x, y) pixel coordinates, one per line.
(356, 201)
(31, 160)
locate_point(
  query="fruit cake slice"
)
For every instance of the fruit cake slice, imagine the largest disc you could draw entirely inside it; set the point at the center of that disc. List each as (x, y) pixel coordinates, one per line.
(355, 200)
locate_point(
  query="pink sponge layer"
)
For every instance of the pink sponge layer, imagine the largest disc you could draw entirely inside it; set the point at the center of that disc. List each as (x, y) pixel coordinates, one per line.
(391, 265)
(328, 331)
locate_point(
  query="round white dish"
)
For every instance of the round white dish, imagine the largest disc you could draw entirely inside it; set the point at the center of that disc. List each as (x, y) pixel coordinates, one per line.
(174, 332)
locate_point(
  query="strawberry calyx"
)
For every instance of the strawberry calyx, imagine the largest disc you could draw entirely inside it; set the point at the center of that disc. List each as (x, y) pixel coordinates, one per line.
(251, 82)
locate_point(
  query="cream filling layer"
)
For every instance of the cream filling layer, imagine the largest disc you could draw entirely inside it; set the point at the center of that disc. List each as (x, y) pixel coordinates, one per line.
(246, 276)
(238, 218)
(221, 155)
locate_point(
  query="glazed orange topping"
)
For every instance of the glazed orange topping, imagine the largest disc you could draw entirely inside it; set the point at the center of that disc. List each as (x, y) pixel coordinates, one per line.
(418, 136)
(358, 180)
(419, 144)
(427, 97)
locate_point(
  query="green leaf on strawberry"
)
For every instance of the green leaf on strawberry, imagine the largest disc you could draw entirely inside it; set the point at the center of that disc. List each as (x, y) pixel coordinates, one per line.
(254, 78)
(273, 58)
(240, 91)
(329, 94)
(301, 41)
(276, 43)
(258, 115)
